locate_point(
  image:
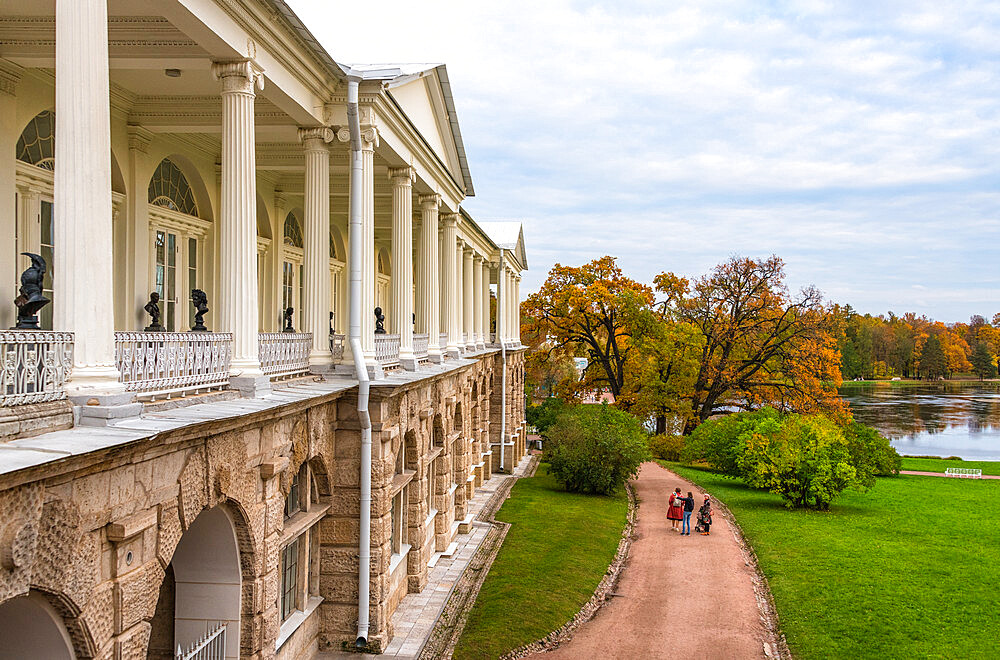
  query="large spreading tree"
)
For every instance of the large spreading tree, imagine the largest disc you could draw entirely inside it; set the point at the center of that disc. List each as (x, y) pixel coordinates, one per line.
(761, 345)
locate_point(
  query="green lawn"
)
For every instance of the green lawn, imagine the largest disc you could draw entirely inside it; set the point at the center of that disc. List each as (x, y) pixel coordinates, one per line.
(908, 570)
(556, 552)
(940, 465)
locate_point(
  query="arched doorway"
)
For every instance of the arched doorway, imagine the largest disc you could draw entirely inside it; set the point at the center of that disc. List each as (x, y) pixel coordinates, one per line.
(203, 584)
(31, 628)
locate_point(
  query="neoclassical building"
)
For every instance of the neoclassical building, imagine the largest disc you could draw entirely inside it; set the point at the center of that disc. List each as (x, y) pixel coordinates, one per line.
(275, 484)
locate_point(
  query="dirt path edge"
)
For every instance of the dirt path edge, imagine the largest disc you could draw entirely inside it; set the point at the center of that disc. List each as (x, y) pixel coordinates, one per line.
(601, 596)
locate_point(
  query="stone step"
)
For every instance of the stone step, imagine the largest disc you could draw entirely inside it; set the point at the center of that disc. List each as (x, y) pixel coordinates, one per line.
(465, 525)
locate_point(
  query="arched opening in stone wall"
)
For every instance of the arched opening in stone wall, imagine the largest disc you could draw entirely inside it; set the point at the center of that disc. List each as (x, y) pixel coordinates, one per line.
(31, 628)
(202, 588)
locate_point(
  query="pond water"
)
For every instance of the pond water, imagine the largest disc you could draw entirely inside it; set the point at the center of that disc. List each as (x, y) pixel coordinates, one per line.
(933, 420)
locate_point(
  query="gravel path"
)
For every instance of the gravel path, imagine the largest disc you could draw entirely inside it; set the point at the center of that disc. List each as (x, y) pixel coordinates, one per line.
(679, 596)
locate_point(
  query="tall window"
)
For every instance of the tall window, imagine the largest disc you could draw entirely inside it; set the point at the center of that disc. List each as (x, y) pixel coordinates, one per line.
(293, 231)
(34, 226)
(287, 285)
(292, 266)
(166, 277)
(289, 578)
(47, 244)
(300, 554)
(177, 232)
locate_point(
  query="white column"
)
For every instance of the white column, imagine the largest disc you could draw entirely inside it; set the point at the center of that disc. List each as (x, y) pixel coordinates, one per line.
(477, 295)
(509, 293)
(369, 140)
(428, 283)
(402, 266)
(459, 302)
(501, 302)
(449, 288)
(84, 268)
(516, 310)
(237, 299)
(315, 312)
(467, 301)
(486, 301)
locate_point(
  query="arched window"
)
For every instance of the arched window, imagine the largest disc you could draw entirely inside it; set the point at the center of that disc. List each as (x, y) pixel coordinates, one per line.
(169, 188)
(293, 231)
(37, 144)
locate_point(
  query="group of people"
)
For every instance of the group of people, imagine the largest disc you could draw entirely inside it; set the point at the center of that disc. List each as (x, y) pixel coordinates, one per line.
(679, 510)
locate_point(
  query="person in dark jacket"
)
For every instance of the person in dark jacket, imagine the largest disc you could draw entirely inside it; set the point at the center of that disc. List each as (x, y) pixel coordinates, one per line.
(705, 517)
(688, 504)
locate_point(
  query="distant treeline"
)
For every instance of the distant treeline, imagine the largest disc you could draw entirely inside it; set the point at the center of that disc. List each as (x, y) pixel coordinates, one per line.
(911, 346)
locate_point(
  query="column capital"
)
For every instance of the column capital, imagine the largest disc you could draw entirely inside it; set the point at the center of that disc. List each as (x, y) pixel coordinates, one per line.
(10, 76)
(369, 136)
(239, 75)
(315, 137)
(449, 219)
(139, 137)
(478, 257)
(402, 176)
(429, 202)
(280, 201)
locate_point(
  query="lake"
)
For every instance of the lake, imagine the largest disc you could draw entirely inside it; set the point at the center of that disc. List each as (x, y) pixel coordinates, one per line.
(934, 420)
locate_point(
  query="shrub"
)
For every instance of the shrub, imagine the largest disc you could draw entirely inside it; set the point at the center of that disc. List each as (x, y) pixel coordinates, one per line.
(808, 460)
(595, 449)
(542, 415)
(667, 447)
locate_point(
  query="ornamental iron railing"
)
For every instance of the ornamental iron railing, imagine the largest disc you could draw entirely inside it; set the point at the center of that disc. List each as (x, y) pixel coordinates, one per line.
(421, 342)
(387, 350)
(35, 365)
(337, 346)
(284, 354)
(210, 647)
(167, 363)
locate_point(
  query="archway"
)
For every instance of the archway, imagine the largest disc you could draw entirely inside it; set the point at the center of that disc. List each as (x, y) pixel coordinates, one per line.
(202, 588)
(31, 628)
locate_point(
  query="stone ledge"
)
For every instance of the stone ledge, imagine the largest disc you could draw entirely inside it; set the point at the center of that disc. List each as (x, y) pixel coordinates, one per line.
(34, 419)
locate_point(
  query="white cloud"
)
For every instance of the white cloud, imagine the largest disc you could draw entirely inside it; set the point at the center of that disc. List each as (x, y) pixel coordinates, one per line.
(857, 140)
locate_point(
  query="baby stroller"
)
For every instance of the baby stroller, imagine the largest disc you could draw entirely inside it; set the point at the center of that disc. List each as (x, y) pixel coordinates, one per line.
(704, 521)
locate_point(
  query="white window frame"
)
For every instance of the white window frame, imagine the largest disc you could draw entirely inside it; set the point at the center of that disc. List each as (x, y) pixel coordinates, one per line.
(185, 227)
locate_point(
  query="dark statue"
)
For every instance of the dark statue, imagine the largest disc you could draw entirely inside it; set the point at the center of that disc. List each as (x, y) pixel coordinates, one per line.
(379, 321)
(31, 299)
(331, 323)
(200, 302)
(288, 319)
(153, 309)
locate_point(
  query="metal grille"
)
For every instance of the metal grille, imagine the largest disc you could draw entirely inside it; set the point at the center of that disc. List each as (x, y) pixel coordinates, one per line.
(420, 344)
(284, 353)
(387, 350)
(210, 647)
(35, 365)
(157, 363)
(337, 346)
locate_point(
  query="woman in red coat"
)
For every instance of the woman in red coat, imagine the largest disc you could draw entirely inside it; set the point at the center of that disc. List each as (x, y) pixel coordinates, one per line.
(675, 509)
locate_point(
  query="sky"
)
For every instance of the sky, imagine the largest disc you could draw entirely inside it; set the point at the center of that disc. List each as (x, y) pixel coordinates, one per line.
(858, 141)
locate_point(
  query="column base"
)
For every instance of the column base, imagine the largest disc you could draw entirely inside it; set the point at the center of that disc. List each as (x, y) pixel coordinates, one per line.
(103, 409)
(251, 387)
(322, 368)
(408, 363)
(435, 356)
(453, 352)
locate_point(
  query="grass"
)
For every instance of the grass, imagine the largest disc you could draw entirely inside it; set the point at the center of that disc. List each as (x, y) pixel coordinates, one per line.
(557, 550)
(908, 570)
(941, 464)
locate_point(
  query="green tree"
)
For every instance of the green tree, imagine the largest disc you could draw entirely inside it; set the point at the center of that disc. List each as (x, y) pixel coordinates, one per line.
(595, 449)
(933, 363)
(982, 361)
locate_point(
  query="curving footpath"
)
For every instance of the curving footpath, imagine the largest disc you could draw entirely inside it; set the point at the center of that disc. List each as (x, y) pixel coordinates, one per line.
(678, 596)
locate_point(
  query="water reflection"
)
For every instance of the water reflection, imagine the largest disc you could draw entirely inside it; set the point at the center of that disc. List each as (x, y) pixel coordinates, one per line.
(940, 420)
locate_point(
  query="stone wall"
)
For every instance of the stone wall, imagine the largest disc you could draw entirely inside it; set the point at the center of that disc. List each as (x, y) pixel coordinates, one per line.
(95, 533)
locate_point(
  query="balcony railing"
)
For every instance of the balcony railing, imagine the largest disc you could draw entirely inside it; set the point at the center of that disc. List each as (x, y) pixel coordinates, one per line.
(421, 342)
(387, 350)
(35, 365)
(166, 363)
(337, 346)
(284, 354)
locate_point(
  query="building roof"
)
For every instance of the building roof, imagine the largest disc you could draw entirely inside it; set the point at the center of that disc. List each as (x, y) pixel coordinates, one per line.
(395, 75)
(508, 235)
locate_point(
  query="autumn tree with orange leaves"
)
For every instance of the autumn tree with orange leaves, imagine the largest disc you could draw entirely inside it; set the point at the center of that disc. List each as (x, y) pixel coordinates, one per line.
(760, 344)
(582, 312)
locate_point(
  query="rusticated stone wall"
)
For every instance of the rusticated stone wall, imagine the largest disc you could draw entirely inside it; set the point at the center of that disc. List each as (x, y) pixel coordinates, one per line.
(95, 533)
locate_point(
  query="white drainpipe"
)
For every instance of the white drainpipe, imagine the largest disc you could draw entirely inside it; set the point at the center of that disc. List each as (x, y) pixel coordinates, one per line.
(501, 331)
(364, 385)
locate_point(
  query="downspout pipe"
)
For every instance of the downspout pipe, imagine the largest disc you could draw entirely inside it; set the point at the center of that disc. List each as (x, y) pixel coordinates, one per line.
(501, 332)
(354, 338)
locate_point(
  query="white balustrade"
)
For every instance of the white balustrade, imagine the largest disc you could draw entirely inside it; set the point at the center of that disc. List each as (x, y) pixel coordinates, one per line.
(210, 647)
(337, 346)
(387, 350)
(157, 363)
(35, 365)
(284, 354)
(421, 342)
